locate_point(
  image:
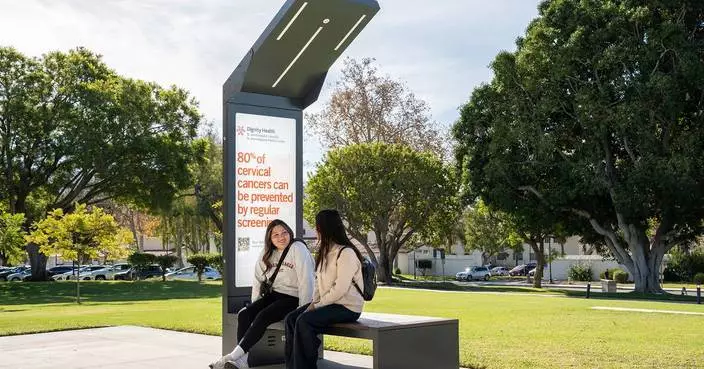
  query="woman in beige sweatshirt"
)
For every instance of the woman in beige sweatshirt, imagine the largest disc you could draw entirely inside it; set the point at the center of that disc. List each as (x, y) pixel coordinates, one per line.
(336, 298)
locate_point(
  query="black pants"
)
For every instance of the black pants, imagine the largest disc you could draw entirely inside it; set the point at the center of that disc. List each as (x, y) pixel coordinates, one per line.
(303, 328)
(253, 320)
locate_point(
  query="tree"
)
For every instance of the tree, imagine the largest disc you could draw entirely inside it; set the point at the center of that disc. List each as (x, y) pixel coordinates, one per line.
(11, 238)
(489, 231)
(80, 235)
(387, 189)
(366, 108)
(599, 116)
(165, 262)
(200, 262)
(73, 130)
(140, 261)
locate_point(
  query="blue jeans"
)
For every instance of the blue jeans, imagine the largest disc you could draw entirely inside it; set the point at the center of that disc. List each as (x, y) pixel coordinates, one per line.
(303, 328)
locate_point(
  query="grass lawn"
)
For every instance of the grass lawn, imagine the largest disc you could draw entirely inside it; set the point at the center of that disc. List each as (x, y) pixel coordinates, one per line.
(497, 329)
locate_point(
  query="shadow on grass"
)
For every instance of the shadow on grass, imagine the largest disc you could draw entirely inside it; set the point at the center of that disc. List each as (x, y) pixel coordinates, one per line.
(65, 292)
(449, 286)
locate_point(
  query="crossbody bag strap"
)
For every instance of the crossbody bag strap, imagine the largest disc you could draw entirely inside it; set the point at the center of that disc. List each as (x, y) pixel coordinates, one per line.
(278, 266)
(353, 282)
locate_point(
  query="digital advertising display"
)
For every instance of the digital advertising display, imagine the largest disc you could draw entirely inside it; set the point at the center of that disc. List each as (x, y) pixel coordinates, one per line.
(265, 185)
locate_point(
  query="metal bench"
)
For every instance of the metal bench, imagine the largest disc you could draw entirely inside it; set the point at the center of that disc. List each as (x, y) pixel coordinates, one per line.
(399, 341)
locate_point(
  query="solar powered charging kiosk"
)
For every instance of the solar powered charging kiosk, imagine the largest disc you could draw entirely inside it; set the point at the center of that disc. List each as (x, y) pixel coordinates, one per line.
(263, 101)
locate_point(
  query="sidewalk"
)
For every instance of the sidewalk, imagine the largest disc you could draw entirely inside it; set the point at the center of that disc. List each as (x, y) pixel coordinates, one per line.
(130, 347)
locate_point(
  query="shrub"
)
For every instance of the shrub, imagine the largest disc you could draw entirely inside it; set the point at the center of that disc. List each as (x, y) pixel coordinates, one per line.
(215, 261)
(611, 271)
(199, 262)
(620, 276)
(140, 261)
(579, 272)
(165, 262)
(397, 271)
(699, 278)
(683, 267)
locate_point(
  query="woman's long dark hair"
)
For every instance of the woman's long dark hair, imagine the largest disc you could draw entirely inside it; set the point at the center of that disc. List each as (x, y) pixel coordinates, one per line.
(268, 245)
(329, 224)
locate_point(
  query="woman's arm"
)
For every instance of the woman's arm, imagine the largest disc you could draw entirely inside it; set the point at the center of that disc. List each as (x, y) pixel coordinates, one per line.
(258, 276)
(304, 270)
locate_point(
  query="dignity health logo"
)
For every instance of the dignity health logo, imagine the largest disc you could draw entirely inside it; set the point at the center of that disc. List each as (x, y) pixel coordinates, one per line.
(241, 130)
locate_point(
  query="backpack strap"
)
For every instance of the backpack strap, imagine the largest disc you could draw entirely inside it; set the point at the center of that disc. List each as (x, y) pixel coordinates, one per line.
(353, 282)
(278, 266)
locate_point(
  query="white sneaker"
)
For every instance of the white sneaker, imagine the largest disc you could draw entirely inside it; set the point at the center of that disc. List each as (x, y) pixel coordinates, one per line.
(239, 363)
(220, 364)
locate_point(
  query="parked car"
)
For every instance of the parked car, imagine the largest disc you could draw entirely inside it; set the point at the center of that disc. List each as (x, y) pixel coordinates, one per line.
(522, 269)
(86, 273)
(109, 271)
(6, 273)
(150, 271)
(189, 274)
(59, 269)
(19, 276)
(532, 271)
(73, 273)
(499, 271)
(474, 273)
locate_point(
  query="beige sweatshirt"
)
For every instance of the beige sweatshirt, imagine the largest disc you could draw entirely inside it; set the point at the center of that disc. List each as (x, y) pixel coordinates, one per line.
(333, 284)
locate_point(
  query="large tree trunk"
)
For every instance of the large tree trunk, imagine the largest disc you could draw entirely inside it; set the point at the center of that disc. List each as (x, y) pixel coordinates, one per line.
(37, 261)
(539, 250)
(384, 267)
(3, 260)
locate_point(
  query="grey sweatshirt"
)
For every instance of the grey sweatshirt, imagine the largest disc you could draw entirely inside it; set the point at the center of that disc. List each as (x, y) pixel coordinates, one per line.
(295, 277)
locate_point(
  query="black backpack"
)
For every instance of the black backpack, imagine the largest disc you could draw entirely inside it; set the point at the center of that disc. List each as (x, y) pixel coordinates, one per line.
(368, 276)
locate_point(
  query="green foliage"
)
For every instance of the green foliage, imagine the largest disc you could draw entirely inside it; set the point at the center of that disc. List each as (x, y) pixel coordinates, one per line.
(489, 231)
(597, 118)
(698, 278)
(683, 266)
(73, 130)
(216, 261)
(81, 235)
(166, 262)
(199, 262)
(620, 276)
(579, 272)
(140, 261)
(11, 238)
(392, 190)
(611, 271)
(397, 271)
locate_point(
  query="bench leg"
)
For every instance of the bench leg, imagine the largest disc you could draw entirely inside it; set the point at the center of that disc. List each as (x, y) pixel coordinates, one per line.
(435, 347)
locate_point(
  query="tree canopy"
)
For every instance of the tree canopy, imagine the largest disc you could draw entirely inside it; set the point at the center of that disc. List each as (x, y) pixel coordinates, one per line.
(597, 118)
(390, 190)
(73, 130)
(366, 107)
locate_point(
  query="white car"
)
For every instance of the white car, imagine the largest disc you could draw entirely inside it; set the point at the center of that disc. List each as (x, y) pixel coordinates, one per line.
(474, 273)
(20, 276)
(108, 272)
(189, 274)
(499, 271)
(84, 273)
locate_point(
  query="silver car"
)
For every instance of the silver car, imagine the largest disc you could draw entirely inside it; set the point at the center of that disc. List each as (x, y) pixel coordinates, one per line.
(474, 273)
(189, 274)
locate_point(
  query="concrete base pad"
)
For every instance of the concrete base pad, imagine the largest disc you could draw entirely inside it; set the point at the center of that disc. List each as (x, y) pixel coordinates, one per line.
(129, 347)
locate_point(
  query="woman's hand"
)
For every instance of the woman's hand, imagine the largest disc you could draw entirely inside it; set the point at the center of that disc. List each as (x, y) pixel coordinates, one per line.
(311, 307)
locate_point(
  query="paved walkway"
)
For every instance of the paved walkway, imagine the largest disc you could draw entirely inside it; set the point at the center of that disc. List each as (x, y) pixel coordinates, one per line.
(129, 347)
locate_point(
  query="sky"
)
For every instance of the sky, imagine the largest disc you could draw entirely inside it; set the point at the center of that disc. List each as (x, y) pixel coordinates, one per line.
(441, 49)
